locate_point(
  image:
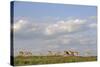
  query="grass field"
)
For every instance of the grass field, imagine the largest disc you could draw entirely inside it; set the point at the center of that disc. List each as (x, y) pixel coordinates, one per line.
(34, 60)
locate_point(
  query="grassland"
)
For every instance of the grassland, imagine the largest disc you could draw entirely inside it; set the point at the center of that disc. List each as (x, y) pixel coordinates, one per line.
(34, 60)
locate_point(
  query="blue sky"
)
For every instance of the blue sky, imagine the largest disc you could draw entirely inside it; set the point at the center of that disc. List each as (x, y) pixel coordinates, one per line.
(39, 10)
(57, 27)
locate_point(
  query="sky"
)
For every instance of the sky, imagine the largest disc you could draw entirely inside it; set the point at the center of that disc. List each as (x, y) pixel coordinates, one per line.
(43, 27)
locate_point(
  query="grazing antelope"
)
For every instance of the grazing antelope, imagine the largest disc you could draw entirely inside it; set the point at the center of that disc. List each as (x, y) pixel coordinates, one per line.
(21, 53)
(76, 53)
(67, 53)
(25, 53)
(50, 53)
(70, 53)
(28, 53)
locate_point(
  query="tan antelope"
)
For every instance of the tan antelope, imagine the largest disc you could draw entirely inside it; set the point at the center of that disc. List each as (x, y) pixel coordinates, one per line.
(25, 53)
(50, 53)
(70, 53)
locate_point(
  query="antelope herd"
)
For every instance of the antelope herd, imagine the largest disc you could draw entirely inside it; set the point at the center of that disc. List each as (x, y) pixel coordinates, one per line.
(51, 53)
(25, 53)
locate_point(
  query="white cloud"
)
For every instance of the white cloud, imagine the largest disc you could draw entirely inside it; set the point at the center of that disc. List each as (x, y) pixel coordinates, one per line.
(19, 24)
(71, 25)
(64, 26)
(25, 26)
(33, 27)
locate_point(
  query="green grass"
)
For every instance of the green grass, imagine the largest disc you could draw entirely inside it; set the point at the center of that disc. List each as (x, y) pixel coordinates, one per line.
(34, 60)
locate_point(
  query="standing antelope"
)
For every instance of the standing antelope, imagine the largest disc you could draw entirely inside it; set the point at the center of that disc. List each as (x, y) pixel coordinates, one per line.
(25, 53)
(71, 53)
(50, 53)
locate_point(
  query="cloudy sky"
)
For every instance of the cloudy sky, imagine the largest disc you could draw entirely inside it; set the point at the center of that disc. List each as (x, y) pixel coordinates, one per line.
(42, 27)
